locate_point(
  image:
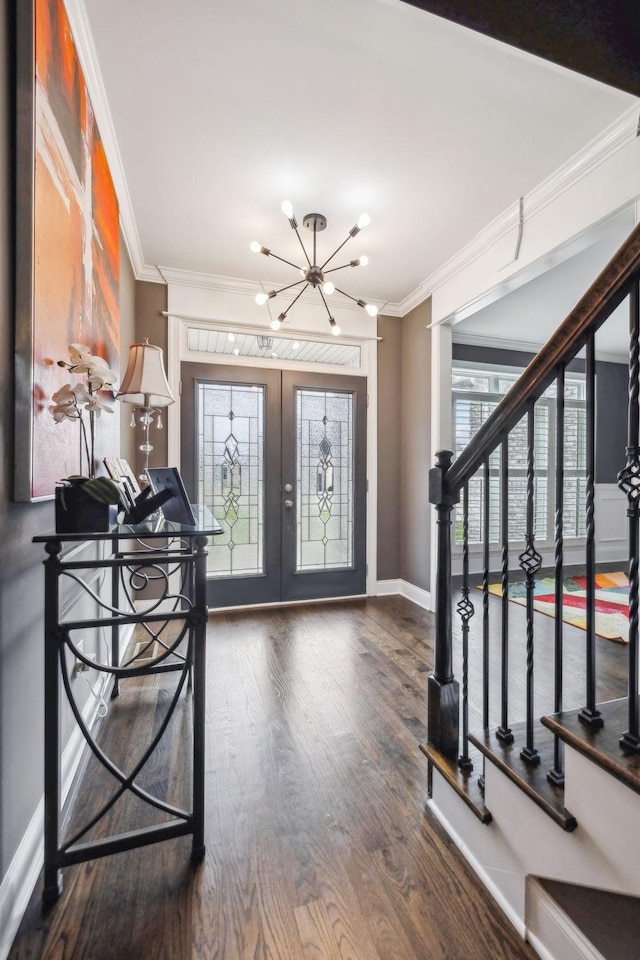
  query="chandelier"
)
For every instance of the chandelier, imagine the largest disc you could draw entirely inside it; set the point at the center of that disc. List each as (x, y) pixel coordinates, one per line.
(313, 275)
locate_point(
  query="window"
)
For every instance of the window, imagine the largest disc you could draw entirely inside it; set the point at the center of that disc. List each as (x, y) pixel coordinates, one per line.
(476, 393)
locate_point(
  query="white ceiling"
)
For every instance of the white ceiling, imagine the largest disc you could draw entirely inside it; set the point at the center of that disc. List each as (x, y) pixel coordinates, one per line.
(223, 108)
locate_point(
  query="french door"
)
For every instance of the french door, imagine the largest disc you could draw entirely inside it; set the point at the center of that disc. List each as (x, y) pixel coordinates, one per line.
(279, 457)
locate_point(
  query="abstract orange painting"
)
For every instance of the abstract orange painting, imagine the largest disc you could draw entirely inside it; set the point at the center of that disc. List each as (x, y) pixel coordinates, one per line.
(68, 243)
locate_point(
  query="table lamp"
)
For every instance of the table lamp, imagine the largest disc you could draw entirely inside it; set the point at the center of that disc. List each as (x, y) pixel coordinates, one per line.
(145, 386)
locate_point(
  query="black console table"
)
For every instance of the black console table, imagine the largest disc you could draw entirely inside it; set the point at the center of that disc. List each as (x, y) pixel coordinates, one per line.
(174, 557)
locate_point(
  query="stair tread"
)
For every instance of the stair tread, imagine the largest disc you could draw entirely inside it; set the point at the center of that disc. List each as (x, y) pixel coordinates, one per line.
(610, 921)
(531, 778)
(602, 745)
(464, 782)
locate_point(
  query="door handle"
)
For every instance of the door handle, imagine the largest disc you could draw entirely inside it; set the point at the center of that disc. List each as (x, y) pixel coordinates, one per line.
(288, 504)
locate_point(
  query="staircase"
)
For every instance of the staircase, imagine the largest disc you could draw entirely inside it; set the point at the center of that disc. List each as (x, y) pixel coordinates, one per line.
(545, 809)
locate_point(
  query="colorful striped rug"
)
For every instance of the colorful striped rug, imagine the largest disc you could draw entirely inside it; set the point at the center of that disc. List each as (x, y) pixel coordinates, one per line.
(612, 602)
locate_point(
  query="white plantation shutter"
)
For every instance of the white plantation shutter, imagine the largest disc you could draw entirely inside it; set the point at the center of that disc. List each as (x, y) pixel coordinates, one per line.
(471, 408)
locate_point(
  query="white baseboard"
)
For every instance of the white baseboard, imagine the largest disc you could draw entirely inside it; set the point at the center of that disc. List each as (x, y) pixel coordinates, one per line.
(416, 594)
(394, 588)
(388, 588)
(21, 877)
(551, 933)
(477, 867)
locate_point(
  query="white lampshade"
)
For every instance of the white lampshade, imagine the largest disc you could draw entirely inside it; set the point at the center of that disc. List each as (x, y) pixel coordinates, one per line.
(145, 382)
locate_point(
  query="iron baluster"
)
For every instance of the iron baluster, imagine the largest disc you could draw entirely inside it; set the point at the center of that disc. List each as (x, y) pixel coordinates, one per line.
(485, 606)
(444, 697)
(590, 713)
(556, 774)
(54, 637)
(629, 483)
(503, 732)
(530, 561)
(485, 598)
(465, 610)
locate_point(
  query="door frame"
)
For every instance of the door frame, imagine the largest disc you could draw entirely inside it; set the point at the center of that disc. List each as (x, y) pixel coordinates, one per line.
(177, 353)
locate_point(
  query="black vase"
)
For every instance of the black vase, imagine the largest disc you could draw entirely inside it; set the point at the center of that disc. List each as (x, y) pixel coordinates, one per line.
(77, 512)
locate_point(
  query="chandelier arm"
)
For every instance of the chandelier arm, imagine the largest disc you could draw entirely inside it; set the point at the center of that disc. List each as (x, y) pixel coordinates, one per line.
(355, 299)
(276, 257)
(333, 269)
(337, 250)
(325, 303)
(285, 312)
(282, 289)
(302, 245)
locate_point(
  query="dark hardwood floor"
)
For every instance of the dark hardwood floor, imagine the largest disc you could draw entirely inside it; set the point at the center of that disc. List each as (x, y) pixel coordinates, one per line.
(318, 842)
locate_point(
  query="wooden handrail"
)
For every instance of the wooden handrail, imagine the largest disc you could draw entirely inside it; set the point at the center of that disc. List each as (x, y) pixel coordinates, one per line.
(603, 296)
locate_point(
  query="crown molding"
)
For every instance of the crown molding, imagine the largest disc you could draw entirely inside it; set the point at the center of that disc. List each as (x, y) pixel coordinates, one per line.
(601, 149)
(614, 138)
(97, 94)
(249, 288)
(528, 346)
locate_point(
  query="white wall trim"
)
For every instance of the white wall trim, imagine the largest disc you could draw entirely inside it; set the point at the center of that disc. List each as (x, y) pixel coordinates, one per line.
(249, 288)
(21, 877)
(416, 594)
(388, 588)
(526, 346)
(555, 920)
(478, 869)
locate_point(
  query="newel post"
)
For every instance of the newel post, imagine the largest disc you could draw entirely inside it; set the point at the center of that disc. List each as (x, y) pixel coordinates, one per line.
(443, 709)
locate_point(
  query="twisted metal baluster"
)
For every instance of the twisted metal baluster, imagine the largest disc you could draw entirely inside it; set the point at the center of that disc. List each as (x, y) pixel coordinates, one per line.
(503, 732)
(556, 774)
(589, 714)
(530, 561)
(629, 483)
(465, 610)
(485, 607)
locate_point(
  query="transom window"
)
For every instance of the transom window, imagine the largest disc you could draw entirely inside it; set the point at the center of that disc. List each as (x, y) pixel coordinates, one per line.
(476, 393)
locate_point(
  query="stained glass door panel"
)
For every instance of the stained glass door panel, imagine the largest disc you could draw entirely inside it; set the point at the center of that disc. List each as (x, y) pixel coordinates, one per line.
(324, 465)
(231, 463)
(324, 479)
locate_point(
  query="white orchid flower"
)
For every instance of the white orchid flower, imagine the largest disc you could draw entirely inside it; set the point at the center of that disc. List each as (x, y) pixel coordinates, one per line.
(78, 352)
(97, 407)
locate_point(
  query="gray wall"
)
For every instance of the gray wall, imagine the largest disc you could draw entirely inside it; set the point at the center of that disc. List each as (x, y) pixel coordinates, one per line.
(21, 575)
(150, 301)
(389, 453)
(415, 433)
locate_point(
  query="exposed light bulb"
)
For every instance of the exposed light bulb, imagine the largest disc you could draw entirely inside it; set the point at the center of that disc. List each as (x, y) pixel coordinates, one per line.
(261, 298)
(328, 287)
(372, 310)
(287, 209)
(335, 330)
(364, 220)
(231, 337)
(363, 260)
(255, 247)
(275, 324)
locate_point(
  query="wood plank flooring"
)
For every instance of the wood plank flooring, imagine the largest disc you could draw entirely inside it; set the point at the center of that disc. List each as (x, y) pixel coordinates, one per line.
(318, 843)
